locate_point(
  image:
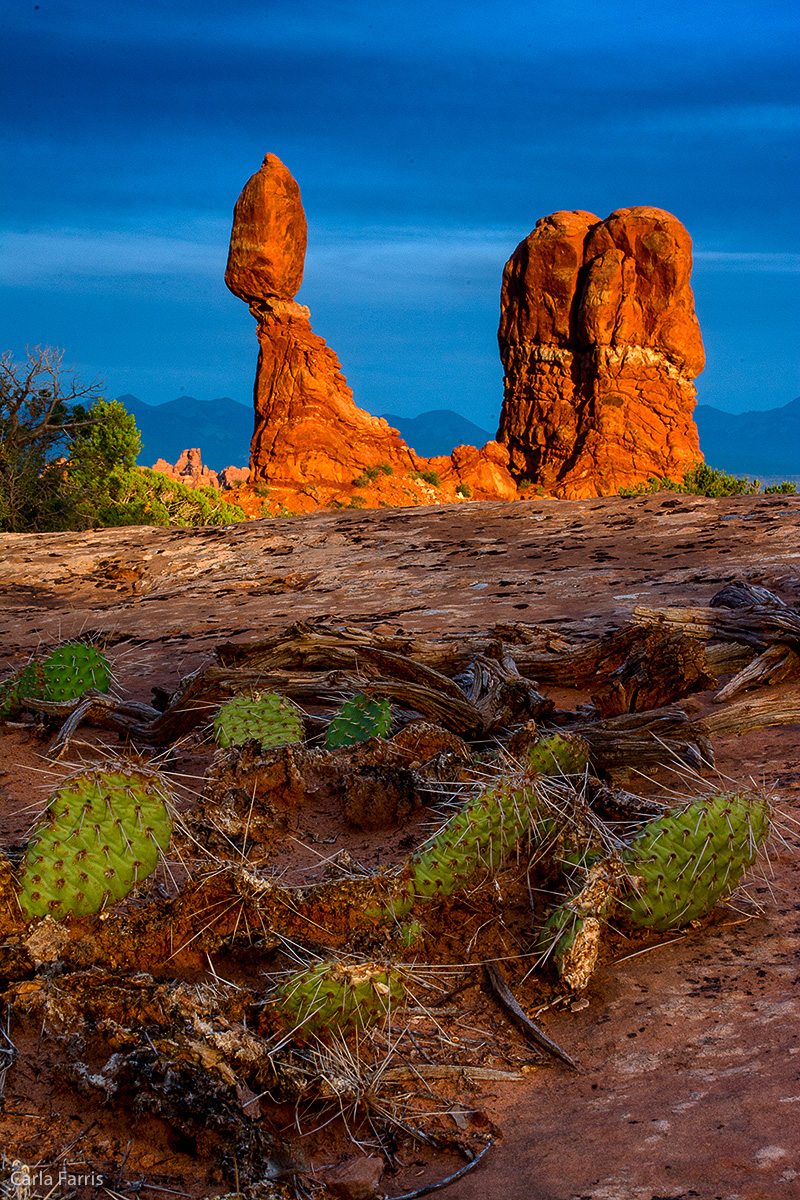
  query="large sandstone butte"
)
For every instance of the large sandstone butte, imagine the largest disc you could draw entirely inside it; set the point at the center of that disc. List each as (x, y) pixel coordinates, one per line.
(600, 344)
(310, 440)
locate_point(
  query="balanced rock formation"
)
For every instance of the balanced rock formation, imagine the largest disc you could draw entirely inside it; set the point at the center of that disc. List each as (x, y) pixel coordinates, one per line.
(310, 439)
(600, 344)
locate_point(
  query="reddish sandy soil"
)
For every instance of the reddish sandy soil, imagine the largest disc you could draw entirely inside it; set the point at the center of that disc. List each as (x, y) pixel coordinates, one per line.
(689, 1070)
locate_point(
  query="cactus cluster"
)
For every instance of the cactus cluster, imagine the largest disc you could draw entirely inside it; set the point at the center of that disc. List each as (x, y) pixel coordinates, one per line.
(685, 861)
(271, 719)
(672, 873)
(101, 835)
(338, 995)
(488, 827)
(65, 674)
(358, 718)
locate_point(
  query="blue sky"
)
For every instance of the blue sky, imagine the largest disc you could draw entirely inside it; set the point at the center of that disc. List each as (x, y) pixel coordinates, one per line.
(427, 139)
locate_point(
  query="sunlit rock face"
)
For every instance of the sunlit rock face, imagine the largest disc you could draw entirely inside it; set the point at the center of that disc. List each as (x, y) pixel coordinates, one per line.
(600, 345)
(309, 436)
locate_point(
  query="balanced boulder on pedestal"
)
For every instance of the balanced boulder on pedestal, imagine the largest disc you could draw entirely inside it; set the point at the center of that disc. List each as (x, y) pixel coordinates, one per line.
(309, 435)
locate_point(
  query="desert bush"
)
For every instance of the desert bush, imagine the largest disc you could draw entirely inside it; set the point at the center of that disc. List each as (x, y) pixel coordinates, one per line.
(430, 477)
(786, 488)
(699, 480)
(463, 489)
(66, 466)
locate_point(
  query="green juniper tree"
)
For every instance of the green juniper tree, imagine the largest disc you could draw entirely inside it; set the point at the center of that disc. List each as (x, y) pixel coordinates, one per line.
(41, 410)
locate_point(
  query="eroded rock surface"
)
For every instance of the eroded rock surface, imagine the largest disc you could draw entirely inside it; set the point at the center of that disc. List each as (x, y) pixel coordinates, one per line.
(310, 438)
(600, 344)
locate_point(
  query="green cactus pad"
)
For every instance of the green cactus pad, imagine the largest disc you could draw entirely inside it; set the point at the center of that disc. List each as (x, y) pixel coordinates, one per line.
(682, 863)
(272, 720)
(100, 836)
(473, 842)
(358, 719)
(27, 682)
(335, 996)
(72, 669)
(558, 754)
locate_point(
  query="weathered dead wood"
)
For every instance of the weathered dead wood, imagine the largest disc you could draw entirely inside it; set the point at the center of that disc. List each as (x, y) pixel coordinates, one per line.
(726, 658)
(755, 626)
(751, 714)
(641, 740)
(740, 594)
(778, 664)
(660, 666)
(501, 695)
(637, 668)
(532, 1032)
(423, 1070)
(322, 645)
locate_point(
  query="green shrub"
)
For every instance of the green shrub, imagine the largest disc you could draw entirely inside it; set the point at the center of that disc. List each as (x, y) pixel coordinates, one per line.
(463, 489)
(703, 480)
(370, 474)
(429, 476)
(357, 502)
(786, 488)
(700, 480)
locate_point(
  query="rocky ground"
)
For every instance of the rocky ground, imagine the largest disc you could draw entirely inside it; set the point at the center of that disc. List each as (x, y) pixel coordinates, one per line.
(687, 1046)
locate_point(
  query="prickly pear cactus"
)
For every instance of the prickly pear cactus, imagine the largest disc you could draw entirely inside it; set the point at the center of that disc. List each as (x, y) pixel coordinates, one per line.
(558, 754)
(358, 719)
(101, 835)
(272, 720)
(27, 682)
(72, 669)
(337, 996)
(681, 864)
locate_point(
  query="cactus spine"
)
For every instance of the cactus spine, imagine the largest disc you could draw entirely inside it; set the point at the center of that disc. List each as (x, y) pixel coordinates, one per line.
(100, 836)
(271, 719)
(682, 863)
(358, 719)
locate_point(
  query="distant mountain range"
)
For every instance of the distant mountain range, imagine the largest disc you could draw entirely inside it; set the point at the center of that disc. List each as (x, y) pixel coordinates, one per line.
(438, 432)
(756, 443)
(221, 428)
(765, 442)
